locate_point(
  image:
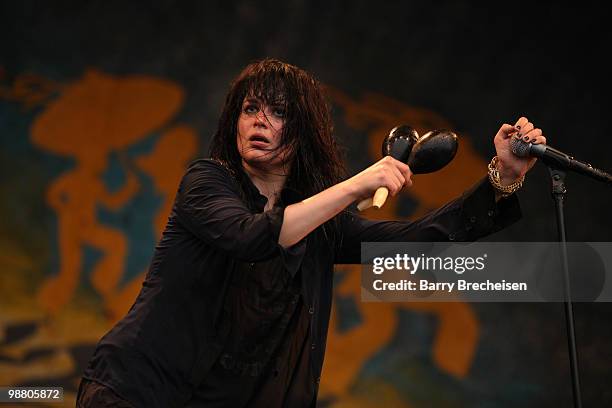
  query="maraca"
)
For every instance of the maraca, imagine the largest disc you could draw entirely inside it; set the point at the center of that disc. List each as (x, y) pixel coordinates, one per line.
(425, 154)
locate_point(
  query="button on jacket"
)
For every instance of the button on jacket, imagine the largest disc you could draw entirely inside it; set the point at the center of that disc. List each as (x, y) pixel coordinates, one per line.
(173, 334)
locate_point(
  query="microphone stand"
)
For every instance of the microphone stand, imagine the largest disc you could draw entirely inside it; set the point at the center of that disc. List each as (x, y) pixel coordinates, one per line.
(558, 193)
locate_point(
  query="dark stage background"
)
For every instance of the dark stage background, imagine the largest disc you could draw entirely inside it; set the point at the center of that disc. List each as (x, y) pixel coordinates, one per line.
(103, 104)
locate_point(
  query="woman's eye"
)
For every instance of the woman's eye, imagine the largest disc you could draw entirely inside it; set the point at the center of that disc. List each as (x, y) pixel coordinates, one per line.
(279, 112)
(251, 109)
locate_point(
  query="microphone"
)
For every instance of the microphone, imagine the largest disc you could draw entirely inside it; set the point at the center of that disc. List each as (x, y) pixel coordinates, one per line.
(424, 154)
(555, 158)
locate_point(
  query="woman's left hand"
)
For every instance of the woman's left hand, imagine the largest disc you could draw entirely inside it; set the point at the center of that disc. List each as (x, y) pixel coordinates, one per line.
(510, 166)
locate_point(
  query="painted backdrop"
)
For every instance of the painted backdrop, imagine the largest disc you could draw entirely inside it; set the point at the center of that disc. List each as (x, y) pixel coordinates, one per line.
(103, 105)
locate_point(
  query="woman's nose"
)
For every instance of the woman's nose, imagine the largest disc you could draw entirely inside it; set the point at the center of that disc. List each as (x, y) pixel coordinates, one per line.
(260, 117)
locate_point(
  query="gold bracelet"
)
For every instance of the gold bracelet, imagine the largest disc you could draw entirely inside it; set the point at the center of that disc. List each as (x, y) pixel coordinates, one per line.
(495, 181)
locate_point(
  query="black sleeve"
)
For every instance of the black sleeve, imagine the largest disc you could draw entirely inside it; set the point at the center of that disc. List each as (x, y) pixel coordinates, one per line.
(473, 215)
(208, 204)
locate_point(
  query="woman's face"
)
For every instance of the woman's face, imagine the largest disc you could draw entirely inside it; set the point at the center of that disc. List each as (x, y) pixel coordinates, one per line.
(259, 132)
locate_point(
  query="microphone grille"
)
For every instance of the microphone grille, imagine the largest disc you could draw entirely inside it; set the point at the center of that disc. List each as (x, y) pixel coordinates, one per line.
(519, 147)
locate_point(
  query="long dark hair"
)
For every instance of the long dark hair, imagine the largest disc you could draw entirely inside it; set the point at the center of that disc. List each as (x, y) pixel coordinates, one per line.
(316, 160)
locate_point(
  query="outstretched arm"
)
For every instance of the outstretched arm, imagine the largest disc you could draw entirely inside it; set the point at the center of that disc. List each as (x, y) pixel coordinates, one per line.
(303, 217)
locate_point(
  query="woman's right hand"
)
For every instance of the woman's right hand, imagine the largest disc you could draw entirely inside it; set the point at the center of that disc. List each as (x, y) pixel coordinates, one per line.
(386, 172)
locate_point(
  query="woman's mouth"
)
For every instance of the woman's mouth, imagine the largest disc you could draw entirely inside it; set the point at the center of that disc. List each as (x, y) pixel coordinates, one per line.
(259, 141)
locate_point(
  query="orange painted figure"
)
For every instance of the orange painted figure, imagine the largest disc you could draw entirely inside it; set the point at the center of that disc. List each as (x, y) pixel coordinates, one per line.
(165, 165)
(94, 117)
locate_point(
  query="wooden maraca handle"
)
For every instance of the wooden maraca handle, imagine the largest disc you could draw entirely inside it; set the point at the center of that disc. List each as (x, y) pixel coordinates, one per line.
(398, 145)
(377, 201)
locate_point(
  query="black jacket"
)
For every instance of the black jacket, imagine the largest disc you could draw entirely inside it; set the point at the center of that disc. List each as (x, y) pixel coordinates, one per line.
(159, 353)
